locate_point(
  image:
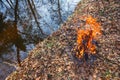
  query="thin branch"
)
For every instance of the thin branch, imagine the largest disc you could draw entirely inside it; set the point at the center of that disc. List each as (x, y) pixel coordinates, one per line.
(34, 6)
(32, 10)
(10, 4)
(6, 7)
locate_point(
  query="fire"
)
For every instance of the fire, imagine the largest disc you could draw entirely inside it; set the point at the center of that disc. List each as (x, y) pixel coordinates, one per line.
(87, 37)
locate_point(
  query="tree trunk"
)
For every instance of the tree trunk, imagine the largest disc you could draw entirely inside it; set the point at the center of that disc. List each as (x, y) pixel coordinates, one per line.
(59, 11)
(18, 57)
(15, 25)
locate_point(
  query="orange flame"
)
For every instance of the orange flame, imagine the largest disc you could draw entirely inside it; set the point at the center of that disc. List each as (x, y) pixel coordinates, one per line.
(86, 37)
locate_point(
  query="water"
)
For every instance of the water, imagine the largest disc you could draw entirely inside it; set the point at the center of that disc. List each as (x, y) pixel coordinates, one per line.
(48, 20)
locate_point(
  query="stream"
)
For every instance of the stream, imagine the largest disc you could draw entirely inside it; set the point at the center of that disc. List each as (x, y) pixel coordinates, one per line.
(47, 21)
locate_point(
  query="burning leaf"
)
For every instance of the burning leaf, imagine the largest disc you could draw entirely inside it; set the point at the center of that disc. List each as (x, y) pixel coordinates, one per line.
(87, 37)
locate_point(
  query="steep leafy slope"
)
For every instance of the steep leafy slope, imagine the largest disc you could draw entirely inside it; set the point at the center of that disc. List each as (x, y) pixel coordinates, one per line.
(52, 59)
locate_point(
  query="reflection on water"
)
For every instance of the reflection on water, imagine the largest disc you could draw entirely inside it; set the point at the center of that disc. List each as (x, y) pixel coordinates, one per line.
(20, 37)
(5, 70)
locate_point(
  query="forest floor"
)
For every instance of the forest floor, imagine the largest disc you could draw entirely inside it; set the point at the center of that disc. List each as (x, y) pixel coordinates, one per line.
(52, 59)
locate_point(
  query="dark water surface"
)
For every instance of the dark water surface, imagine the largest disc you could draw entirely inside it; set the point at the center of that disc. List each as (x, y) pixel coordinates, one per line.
(8, 62)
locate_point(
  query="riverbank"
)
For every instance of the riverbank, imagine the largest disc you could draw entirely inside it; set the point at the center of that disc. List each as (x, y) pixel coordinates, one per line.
(50, 59)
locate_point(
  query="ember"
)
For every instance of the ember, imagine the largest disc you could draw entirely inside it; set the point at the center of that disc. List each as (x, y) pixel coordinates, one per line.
(87, 38)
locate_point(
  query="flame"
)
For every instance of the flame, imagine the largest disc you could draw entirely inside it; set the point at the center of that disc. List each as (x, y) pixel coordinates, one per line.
(87, 36)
